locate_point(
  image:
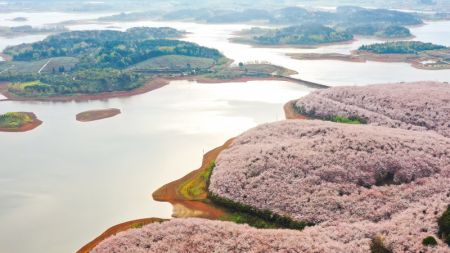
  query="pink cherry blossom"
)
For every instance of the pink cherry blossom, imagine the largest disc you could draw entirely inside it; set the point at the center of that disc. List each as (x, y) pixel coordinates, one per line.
(416, 106)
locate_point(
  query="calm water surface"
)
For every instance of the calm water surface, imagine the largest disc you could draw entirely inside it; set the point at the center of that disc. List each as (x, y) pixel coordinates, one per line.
(65, 182)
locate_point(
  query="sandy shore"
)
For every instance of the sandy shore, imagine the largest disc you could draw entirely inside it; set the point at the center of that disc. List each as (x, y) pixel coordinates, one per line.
(25, 128)
(116, 229)
(97, 114)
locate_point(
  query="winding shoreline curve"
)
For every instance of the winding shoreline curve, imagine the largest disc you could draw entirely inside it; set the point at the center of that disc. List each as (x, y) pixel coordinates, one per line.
(153, 84)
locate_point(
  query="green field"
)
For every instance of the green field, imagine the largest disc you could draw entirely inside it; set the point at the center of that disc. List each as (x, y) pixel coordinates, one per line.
(20, 67)
(174, 62)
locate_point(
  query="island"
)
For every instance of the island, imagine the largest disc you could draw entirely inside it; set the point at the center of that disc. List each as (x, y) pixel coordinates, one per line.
(94, 115)
(18, 122)
(83, 65)
(420, 55)
(302, 35)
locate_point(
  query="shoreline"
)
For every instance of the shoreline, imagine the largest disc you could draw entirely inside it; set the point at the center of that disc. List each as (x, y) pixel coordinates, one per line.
(117, 229)
(151, 85)
(197, 207)
(362, 57)
(182, 207)
(25, 128)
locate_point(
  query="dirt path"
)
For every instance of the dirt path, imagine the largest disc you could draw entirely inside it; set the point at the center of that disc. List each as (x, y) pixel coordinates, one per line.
(43, 66)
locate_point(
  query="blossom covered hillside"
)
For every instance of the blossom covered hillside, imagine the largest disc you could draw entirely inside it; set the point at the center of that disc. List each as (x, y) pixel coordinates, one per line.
(329, 173)
(403, 233)
(416, 106)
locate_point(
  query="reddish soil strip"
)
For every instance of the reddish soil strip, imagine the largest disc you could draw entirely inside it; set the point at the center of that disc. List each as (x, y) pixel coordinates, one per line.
(97, 114)
(290, 113)
(25, 128)
(116, 229)
(169, 192)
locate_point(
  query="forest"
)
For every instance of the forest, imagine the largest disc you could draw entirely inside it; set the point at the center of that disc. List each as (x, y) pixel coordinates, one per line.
(100, 60)
(309, 34)
(401, 47)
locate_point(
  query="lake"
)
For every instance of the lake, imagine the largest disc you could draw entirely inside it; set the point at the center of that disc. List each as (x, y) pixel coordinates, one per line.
(65, 182)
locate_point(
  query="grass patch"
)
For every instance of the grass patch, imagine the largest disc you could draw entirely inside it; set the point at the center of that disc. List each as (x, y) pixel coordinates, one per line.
(241, 214)
(175, 62)
(137, 225)
(30, 67)
(15, 119)
(197, 188)
(333, 118)
(345, 120)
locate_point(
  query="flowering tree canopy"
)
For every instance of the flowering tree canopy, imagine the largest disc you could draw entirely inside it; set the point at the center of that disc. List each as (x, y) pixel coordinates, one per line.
(416, 106)
(333, 174)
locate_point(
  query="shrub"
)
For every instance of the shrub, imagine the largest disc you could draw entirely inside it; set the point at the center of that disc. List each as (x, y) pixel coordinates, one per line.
(429, 241)
(444, 226)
